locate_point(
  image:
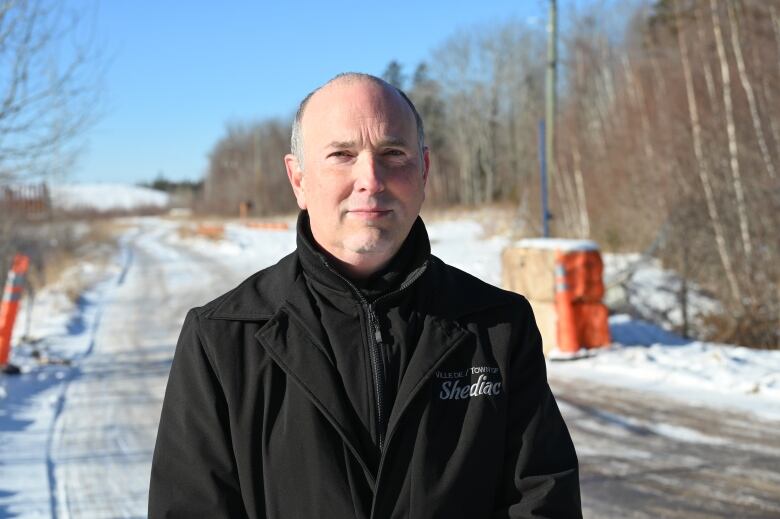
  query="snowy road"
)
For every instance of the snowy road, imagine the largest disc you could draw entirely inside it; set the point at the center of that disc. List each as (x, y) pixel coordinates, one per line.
(82, 447)
(105, 433)
(647, 457)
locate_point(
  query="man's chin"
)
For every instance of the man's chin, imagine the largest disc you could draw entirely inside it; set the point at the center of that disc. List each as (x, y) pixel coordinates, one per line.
(370, 241)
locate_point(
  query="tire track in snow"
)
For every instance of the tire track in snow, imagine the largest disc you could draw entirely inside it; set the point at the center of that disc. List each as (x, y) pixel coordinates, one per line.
(54, 489)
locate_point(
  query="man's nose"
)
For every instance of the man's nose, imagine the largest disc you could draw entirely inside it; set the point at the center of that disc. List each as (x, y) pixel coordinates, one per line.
(369, 174)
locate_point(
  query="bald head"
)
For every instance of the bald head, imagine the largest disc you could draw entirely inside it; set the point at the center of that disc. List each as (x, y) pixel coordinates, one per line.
(346, 78)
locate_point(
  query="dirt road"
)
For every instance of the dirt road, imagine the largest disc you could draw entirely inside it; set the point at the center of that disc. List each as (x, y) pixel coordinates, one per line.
(645, 457)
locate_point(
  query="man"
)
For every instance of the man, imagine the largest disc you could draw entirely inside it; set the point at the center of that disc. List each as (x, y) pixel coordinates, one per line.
(361, 376)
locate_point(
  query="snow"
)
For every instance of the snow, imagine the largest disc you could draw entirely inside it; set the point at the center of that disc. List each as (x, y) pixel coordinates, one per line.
(63, 330)
(676, 432)
(561, 244)
(42, 443)
(647, 358)
(460, 243)
(686, 434)
(641, 286)
(106, 197)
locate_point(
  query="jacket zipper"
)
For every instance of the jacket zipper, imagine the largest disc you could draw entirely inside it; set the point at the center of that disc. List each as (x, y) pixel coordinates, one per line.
(377, 363)
(375, 344)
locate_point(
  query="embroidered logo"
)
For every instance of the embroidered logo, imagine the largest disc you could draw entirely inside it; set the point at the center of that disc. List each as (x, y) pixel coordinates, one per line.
(454, 387)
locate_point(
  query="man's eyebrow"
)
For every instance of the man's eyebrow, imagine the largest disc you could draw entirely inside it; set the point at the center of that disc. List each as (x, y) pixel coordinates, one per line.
(341, 144)
(392, 141)
(388, 141)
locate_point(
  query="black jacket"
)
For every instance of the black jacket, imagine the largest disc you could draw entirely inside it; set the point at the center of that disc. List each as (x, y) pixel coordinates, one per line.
(258, 421)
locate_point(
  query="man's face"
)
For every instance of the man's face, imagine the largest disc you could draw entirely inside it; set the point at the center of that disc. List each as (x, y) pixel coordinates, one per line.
(363, 179)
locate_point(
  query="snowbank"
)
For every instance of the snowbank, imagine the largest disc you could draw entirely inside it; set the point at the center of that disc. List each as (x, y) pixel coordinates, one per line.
(649, 359)
(106, 197)
(642, 287)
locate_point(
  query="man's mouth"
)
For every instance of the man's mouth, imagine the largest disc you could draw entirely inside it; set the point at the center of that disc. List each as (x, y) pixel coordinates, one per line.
(370, 213)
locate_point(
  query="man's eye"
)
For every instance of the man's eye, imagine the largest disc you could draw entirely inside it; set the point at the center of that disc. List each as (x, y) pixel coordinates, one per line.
(339, 154)
(394, 153)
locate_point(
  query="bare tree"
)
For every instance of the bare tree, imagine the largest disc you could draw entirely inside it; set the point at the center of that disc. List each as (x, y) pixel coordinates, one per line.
(489, 86)
(705, 63)
(245, 166)
(748, 87)
(49, 84)
(582, 200)
(49, 77)
(775, 28)
(731, 132)
(701, 166)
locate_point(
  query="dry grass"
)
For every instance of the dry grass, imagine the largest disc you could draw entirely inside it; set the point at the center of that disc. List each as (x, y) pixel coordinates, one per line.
(65, 246)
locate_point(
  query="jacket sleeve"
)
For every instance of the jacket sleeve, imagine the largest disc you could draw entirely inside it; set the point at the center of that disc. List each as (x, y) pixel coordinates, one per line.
(193, 468)
(541, 475)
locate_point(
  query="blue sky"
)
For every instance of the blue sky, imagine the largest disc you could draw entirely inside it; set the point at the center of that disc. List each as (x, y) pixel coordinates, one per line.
(179, 71)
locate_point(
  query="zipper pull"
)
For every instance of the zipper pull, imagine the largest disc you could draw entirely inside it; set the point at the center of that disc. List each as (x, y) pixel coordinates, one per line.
(374, 320)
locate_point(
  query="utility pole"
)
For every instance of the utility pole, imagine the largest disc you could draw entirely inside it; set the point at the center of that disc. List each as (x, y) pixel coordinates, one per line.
(550, 97)
(543, 179)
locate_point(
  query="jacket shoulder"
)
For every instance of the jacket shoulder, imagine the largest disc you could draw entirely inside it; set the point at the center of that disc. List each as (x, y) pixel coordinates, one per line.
(460, 293)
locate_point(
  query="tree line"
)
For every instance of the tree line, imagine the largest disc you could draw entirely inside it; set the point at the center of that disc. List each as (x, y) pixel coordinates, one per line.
(668, 140)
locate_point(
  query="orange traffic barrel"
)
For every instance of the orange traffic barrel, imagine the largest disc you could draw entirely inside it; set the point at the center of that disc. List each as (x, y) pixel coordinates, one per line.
(9, 306)
(584, 274)
(592, 320)
(567, 329)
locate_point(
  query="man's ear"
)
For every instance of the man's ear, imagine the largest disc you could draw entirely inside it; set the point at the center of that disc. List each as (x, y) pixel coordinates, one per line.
(426, 164)
(295, 175)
